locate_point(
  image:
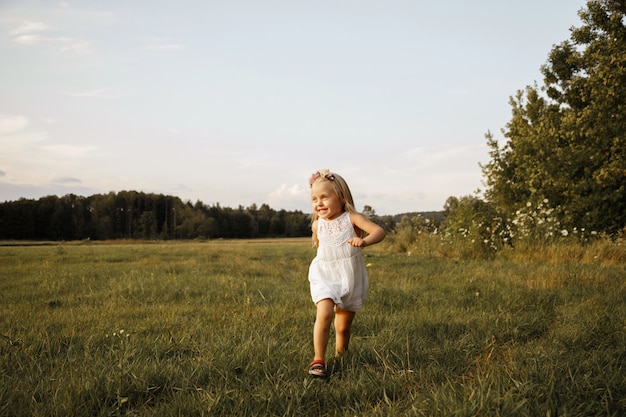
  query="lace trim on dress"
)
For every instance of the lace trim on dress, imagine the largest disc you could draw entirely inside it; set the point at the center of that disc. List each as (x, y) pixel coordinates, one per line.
(335, 232)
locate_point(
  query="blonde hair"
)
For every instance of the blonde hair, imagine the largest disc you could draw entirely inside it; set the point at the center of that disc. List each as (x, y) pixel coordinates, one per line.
(339, 185)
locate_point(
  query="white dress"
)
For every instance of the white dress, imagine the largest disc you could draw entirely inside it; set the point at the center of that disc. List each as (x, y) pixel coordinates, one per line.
(338, 271)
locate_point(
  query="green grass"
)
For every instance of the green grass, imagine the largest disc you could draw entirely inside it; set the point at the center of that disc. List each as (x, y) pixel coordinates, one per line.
(224, 328)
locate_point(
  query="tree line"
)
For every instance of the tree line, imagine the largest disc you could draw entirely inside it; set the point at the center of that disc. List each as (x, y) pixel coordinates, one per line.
(138, 215)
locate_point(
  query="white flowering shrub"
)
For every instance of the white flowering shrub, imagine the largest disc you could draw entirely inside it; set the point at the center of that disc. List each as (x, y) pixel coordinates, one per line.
(537, 222)
(474, 229)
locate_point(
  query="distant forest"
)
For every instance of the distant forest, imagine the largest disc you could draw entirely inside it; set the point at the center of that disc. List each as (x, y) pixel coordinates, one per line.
(138, 215)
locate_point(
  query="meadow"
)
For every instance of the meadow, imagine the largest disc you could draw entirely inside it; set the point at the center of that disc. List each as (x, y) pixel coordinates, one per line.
(224, 328)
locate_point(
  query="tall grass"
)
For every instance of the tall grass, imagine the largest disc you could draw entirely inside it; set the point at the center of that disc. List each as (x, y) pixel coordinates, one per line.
(224, 328)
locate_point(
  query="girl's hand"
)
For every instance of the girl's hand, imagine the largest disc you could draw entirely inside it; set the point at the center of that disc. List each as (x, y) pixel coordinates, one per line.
(357, 242)
(375, 233)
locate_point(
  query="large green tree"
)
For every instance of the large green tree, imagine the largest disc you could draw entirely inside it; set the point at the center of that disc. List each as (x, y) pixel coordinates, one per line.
(566, 141)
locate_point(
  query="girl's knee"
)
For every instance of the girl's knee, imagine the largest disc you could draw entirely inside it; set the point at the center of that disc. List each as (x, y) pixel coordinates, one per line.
(342, 331)
(324, 310)
(343, 323)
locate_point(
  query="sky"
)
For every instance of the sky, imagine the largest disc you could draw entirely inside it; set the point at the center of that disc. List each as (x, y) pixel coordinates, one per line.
(238, 102)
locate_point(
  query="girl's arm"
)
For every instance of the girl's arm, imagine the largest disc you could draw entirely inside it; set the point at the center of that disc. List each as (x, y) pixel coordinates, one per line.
(375, 233)
(314, 229)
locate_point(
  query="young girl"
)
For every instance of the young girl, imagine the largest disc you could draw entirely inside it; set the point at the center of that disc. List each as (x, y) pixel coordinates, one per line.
(337, 275)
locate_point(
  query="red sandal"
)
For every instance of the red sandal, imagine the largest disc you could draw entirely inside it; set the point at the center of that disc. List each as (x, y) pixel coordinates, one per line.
(318, 369)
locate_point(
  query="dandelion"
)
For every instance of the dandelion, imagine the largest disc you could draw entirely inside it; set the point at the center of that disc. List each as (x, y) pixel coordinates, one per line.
(564, 232)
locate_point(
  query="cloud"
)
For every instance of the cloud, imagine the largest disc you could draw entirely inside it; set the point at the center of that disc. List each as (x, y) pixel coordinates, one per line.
(12, 123)
(76, 45)
(285, 191)
(29, 157)
(28, 33)
(33, 39)
(66, 180)
(293, 197)
(27, 27)
(2, 173)
(99, 93)
(158, 44)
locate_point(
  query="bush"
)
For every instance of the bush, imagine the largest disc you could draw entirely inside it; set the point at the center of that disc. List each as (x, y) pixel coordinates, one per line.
(410, 233)
(474, 229)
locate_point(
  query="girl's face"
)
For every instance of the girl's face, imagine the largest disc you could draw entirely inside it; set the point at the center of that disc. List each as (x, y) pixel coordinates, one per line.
(326, 203)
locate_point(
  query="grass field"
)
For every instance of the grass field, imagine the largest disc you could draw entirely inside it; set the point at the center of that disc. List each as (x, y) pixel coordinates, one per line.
(224, 328)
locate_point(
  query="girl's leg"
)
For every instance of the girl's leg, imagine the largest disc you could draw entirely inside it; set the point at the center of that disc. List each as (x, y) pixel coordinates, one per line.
(321, 330)
(343, 323)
